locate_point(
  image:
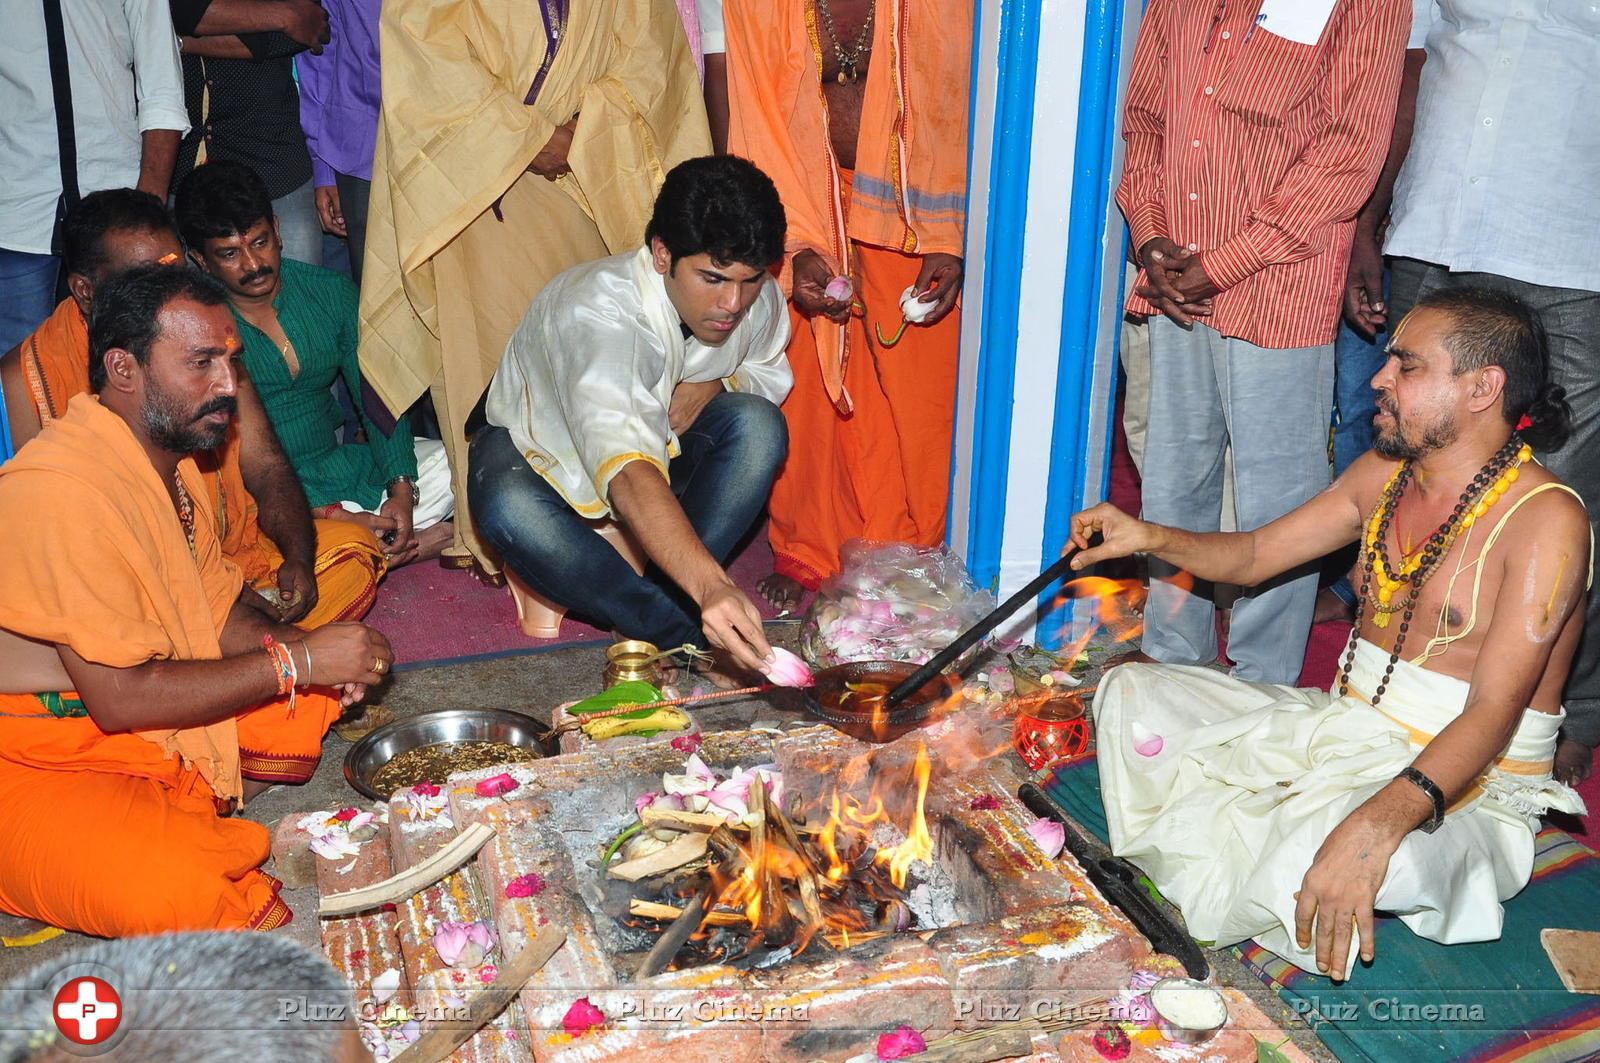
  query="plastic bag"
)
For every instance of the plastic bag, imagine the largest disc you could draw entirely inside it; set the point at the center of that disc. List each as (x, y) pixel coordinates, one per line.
(891, 602)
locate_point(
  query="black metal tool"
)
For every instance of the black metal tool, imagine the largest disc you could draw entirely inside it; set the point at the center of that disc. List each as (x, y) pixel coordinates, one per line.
(968, 638)
(1119, 881)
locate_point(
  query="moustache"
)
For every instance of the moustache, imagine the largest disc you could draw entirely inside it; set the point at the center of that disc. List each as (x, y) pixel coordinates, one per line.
(255, 275)
(221, 404)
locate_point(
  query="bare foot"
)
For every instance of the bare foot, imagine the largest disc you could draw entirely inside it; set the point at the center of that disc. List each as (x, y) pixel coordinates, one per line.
(781, 592)
(1331, 607)
(431, 542)
(1573, 762)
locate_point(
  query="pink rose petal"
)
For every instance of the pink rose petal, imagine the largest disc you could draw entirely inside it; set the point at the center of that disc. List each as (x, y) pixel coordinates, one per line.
(1049, 835)
(529, 885)
(496, 785)
(900, 1042)
(1146, 742)
(582, 1017)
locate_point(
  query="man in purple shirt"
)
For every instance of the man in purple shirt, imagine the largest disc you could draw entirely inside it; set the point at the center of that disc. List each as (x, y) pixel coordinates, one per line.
(339, 93)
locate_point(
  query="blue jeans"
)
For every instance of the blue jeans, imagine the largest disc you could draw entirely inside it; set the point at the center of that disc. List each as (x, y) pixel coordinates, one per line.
(27, 294)
(722, 478)
(1356, 360)
(299, 226)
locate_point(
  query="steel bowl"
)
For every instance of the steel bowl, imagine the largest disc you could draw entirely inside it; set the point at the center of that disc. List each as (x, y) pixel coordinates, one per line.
(865, 721)
(439, 727)
(1172, 1027)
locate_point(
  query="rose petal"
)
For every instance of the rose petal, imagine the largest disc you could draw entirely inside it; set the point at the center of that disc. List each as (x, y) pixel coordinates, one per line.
(496, 785)
(1146, 742)
(1048, 835)
(529, 885)
(582, 1017)
(900, 1042)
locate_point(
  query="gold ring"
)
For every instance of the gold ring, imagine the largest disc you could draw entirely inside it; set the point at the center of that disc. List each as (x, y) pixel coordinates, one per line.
(377, 665)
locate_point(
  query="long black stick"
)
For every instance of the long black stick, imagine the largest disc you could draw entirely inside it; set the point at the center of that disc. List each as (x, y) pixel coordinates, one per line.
(968, 638)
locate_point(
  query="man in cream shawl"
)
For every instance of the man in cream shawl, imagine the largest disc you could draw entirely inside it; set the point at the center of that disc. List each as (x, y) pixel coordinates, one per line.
(515, 141)
(1413, 787)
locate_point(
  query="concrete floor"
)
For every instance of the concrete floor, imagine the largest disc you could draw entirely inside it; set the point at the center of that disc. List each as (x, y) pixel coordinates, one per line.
(534, 684)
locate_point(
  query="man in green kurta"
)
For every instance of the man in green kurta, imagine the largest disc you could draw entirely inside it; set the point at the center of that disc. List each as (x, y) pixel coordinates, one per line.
(299, 327)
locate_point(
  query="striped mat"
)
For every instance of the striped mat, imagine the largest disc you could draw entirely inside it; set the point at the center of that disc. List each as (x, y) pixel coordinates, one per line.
(1422, 1002)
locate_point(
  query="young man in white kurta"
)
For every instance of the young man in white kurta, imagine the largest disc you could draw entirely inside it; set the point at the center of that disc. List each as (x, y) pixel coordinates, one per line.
(643, 388)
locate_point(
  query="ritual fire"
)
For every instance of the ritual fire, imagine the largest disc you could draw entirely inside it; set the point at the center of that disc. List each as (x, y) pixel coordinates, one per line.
(764, 887)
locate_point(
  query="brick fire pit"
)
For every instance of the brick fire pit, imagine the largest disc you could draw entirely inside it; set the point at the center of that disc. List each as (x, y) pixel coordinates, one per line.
(1020, 934)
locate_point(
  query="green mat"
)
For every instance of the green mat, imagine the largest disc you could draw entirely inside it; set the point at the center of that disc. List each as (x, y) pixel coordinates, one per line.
(1422, 1002)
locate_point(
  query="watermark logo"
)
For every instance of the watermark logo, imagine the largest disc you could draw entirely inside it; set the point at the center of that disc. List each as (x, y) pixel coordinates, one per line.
(87, 1010)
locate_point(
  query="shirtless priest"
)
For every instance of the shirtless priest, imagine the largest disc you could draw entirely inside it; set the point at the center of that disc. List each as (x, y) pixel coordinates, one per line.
(141, 700)
(1414, 786)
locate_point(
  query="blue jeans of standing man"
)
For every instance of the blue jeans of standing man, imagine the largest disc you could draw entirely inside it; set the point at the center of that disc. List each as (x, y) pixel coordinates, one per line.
(721, 477)
(1356, 360)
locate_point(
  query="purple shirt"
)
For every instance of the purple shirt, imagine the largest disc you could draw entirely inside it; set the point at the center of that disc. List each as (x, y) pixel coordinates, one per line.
(339, 93)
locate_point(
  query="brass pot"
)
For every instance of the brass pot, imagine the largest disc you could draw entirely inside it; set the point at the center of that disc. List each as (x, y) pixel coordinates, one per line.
(631, 660)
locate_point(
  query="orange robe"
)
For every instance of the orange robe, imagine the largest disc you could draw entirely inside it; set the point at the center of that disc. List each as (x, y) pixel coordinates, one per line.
(348, 561)
(117, 834)
(869, 426)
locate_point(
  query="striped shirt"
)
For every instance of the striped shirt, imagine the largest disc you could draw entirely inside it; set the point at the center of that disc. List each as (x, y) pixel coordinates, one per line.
(1258, 151)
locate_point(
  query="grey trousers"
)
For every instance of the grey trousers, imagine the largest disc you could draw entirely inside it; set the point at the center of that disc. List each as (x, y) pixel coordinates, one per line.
(1572, 320)
(1208, 392)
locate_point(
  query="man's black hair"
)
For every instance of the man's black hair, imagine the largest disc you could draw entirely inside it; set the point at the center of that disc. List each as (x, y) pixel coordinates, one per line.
(107, 211)
(1493, 327)
(222, 198)
(722, 206)
(127, 308)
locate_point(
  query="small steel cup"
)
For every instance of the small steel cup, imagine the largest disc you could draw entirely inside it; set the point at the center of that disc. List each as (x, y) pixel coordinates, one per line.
(1173, 1029)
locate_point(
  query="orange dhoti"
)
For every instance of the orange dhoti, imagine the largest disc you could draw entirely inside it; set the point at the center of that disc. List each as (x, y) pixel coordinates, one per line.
(108, 835)
(881, 471)
(348, 565)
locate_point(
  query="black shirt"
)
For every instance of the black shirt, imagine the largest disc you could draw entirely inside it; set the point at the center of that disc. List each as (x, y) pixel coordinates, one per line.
(244, 109)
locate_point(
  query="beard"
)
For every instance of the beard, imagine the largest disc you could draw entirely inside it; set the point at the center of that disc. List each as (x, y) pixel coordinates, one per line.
(1390, 442)
(178, 431)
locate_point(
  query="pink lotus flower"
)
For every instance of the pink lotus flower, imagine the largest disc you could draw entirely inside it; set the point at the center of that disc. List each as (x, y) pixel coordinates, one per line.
(496, 786)
(687, 743)
(1048, 835)
(463, 944)
(787, 670)
(900, 1042)
(839, 288)
(529, 885)
(582, 1017)
(425, 789)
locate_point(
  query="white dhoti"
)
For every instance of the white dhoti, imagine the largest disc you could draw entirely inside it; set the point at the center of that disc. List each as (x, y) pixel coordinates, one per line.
(1250, 778)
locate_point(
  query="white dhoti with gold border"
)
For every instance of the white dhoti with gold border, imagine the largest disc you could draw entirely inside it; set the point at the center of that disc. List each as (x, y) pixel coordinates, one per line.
(1250, 778)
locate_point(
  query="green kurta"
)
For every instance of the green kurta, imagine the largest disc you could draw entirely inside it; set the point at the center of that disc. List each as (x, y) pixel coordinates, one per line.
(317, 309)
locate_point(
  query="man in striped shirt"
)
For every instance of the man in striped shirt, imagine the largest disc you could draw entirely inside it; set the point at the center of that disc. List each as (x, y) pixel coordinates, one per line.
(1255, 132)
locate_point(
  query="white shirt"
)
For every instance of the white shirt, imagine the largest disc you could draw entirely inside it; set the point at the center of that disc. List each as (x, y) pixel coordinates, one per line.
(122, 58)
(1503, 174)
(588, 376)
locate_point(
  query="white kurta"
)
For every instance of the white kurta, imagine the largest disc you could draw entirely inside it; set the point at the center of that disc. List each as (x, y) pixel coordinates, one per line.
(588, 375)
(1251, 778)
